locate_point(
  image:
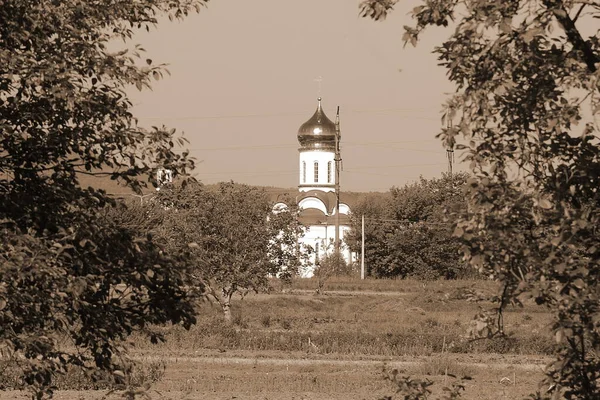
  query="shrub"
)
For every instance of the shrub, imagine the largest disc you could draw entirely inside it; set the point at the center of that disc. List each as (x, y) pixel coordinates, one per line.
(333, 264)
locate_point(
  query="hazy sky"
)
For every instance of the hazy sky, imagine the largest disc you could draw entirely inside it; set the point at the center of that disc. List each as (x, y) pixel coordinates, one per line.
(243, 81)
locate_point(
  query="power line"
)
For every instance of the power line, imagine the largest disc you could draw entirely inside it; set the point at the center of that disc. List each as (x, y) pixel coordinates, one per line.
(290, 114)
(257, 147)
(379, 174)
(388, 143)
(230, 116)
(393, 166)
(406, 221)
(394, 148)
(346, 144)
(293, 172)
(250, 173)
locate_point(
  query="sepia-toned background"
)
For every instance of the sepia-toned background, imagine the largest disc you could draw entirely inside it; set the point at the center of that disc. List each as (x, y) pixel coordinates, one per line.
(245, 76)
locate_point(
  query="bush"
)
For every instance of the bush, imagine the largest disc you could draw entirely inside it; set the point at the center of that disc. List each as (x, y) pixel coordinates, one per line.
(333, 264)
(410, 232)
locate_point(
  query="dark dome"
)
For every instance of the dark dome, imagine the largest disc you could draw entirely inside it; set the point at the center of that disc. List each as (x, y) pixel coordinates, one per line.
(318, 132)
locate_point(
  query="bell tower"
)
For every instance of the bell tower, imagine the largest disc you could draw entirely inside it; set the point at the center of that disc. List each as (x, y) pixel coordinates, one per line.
(317, 138)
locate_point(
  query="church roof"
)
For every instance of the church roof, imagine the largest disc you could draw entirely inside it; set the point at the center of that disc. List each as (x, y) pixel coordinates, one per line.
(313, 216)
(327, 198)
(318, 132)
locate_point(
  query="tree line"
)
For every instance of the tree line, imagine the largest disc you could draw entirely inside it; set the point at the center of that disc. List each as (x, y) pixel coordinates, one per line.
(409, 230)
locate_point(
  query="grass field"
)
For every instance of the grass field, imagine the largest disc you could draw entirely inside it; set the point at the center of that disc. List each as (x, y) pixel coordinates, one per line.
(294, 344)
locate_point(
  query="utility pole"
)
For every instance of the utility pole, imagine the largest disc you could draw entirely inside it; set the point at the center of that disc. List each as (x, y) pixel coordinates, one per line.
(362, 249)
(450, 150)
(337, 160)
(450, 153)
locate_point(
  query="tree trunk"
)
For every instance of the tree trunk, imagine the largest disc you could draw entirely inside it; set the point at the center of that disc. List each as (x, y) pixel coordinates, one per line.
(320, 286)
(226, 295)
(226, 306)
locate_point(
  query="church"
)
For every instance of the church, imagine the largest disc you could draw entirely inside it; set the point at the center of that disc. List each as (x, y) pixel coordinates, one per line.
(325, 218)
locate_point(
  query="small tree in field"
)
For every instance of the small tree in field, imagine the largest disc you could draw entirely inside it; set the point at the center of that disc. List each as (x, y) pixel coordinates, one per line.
(333, 264)
(525, 113)
(67, 270)
(233, 236)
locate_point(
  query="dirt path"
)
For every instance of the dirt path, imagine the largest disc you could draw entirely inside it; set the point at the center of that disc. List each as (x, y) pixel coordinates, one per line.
(490, 361)
(307, 292)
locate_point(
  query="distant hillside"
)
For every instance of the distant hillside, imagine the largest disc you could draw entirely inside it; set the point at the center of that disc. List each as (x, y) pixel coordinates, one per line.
(110, 186)
(279, 194)
(275, 193)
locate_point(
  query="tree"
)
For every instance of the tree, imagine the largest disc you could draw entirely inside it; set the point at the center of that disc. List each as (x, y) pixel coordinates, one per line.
(422, 246)
(375, 207)
(235, 239)
(525, 114)
(330, 264)
(409, 233)
(66, 269)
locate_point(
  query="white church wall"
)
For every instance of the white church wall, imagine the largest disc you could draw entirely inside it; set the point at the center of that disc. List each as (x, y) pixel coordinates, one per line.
(321, 239)
(325, 177)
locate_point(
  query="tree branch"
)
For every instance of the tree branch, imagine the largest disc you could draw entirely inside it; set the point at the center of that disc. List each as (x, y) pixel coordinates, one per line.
(588, 2)
(574, 36)
(578, 13)
(95, 173)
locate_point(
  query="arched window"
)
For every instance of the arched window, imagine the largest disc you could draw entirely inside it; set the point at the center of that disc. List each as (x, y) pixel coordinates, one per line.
(329, 172)
(303, 171)
(316, 172)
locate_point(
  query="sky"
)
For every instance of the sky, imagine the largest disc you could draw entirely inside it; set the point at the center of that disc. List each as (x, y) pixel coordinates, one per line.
(246, 74)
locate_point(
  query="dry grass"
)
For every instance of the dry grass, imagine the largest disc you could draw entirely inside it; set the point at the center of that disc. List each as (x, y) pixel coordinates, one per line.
(276, 381)
(293, 344)
(431, 319)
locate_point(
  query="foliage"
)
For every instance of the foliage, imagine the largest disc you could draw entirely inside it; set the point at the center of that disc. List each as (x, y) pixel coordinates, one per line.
(95, 285)
(418, 389)
(375, 208)
(284, 229)
(140, 377)
(525, 113)
(409, 233)
(67, 272)
(409, 389)
(329, 265)
(232, 235)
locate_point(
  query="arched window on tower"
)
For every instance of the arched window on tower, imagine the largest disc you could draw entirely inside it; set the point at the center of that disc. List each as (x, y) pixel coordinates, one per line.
(316, 176)
(329, 172)
(303, 171)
